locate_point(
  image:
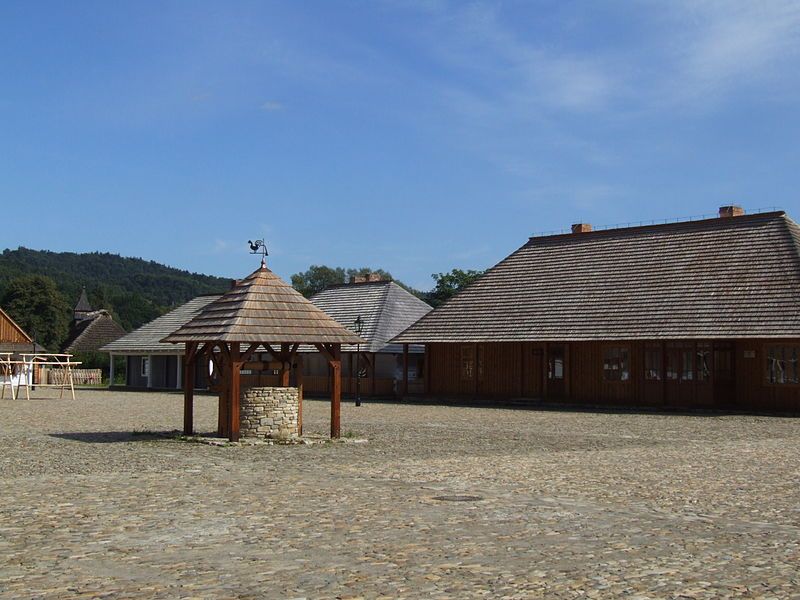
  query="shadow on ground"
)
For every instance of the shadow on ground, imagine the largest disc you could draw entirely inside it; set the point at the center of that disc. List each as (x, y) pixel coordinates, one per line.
(111, 437)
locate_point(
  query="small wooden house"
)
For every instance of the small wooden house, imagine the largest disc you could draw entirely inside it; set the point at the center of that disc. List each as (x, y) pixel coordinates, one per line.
(90, 329)
(153, 364)
(13, 339)
(385, 310)
(690, 314)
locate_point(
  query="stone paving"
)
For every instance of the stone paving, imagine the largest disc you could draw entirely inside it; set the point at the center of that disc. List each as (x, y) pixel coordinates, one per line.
(572, 504)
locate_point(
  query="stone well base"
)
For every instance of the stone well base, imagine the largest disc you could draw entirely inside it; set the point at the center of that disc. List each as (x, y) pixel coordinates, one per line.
(269, 412)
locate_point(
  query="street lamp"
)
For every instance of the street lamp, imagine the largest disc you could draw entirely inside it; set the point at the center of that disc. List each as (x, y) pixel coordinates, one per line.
(359, 327)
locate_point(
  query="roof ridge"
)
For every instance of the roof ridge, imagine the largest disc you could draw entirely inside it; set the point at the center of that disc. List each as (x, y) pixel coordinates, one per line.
(378, 337)
(678, 224)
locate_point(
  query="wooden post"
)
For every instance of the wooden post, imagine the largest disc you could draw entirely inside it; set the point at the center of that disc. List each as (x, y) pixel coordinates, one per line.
(374, 383)
(427, 374)
(475, 371)
(110, 370)
(233, 396)
(336, 390)
(405, 370)
(348, 389)
(188, 389)
(521, 382)
(299, 383)
(285, 366)
(545, 370)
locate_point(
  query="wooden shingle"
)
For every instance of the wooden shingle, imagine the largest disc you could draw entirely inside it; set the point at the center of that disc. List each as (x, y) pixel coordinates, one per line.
(263, 308)
(715, 278)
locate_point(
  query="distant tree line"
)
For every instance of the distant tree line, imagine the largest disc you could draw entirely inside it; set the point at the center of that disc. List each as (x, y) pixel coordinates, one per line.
(39, 289)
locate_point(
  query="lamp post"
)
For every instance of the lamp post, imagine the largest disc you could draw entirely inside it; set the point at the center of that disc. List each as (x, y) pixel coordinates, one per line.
(359, 327)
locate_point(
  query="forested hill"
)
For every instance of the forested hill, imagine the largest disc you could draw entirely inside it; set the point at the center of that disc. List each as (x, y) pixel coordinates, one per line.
(134, 290)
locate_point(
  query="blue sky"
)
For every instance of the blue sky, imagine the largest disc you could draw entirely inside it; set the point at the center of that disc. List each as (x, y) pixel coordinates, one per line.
(415, 136)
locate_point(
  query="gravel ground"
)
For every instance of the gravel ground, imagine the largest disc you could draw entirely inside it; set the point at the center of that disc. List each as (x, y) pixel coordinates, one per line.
(569, 504)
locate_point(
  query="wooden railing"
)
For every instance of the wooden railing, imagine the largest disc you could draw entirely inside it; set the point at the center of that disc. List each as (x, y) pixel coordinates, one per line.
(79, 376)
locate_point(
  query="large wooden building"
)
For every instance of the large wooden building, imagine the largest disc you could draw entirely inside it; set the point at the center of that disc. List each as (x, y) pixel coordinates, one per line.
(700, 313)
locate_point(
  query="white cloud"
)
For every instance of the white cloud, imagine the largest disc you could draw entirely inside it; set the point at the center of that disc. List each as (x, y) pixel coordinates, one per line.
(271, 106)
(714, 49)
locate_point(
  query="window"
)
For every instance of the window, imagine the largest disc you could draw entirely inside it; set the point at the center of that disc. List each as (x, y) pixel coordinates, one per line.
(652, 364)
(145, 366)
(782, 364)
(672, 367)
(467, 363)
(615, 364)
(703, 361)
(687, 364)
(555, 363)
(680, 361)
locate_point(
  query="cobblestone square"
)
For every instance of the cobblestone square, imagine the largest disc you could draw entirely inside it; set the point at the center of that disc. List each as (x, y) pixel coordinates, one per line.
(442, 502)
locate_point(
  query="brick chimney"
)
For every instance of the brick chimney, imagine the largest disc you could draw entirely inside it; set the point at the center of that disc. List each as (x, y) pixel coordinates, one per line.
(730, 211)
(367, 278)
(581, 227)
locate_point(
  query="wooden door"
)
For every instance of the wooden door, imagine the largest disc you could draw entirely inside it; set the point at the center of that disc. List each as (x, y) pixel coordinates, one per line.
(533, 370)
(724, 371)
(679, 374)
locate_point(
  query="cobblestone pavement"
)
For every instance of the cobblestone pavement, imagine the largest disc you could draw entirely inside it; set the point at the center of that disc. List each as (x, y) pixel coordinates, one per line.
(574, 504)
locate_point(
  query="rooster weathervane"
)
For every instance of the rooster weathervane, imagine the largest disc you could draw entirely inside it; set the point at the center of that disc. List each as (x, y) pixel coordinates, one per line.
(259, 247)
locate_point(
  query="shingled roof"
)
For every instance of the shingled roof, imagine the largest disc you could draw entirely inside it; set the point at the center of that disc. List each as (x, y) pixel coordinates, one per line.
(729, 277)
(147, 338)
(263, 308)
(93, 332)
(385, 307)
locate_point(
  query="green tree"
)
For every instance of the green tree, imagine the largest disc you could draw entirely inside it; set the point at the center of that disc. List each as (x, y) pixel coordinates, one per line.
(449, 284)
(317, 278)
(37, 306)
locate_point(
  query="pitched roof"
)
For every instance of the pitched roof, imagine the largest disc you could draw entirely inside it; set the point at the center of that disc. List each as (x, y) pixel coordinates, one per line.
(10, 331)
(83, 303)
(93, 332)
(263, 308)
(385, 307)
(147, 339)
(716, 278)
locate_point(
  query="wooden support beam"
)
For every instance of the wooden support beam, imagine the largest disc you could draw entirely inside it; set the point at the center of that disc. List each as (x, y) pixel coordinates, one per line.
(336, 390)
(188, 390)
(299, 384)
(475, 378)
(405, 370)
(285, 366)
(427, 374)
(233, 395)
(250, 352)
(374, 382)
(325, 350)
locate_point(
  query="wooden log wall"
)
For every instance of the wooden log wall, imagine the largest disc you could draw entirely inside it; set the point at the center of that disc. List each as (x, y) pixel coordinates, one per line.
(520, 370)
(10, 333)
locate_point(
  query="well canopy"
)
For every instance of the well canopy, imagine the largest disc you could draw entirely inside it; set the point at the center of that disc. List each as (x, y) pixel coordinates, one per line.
(263, 308)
